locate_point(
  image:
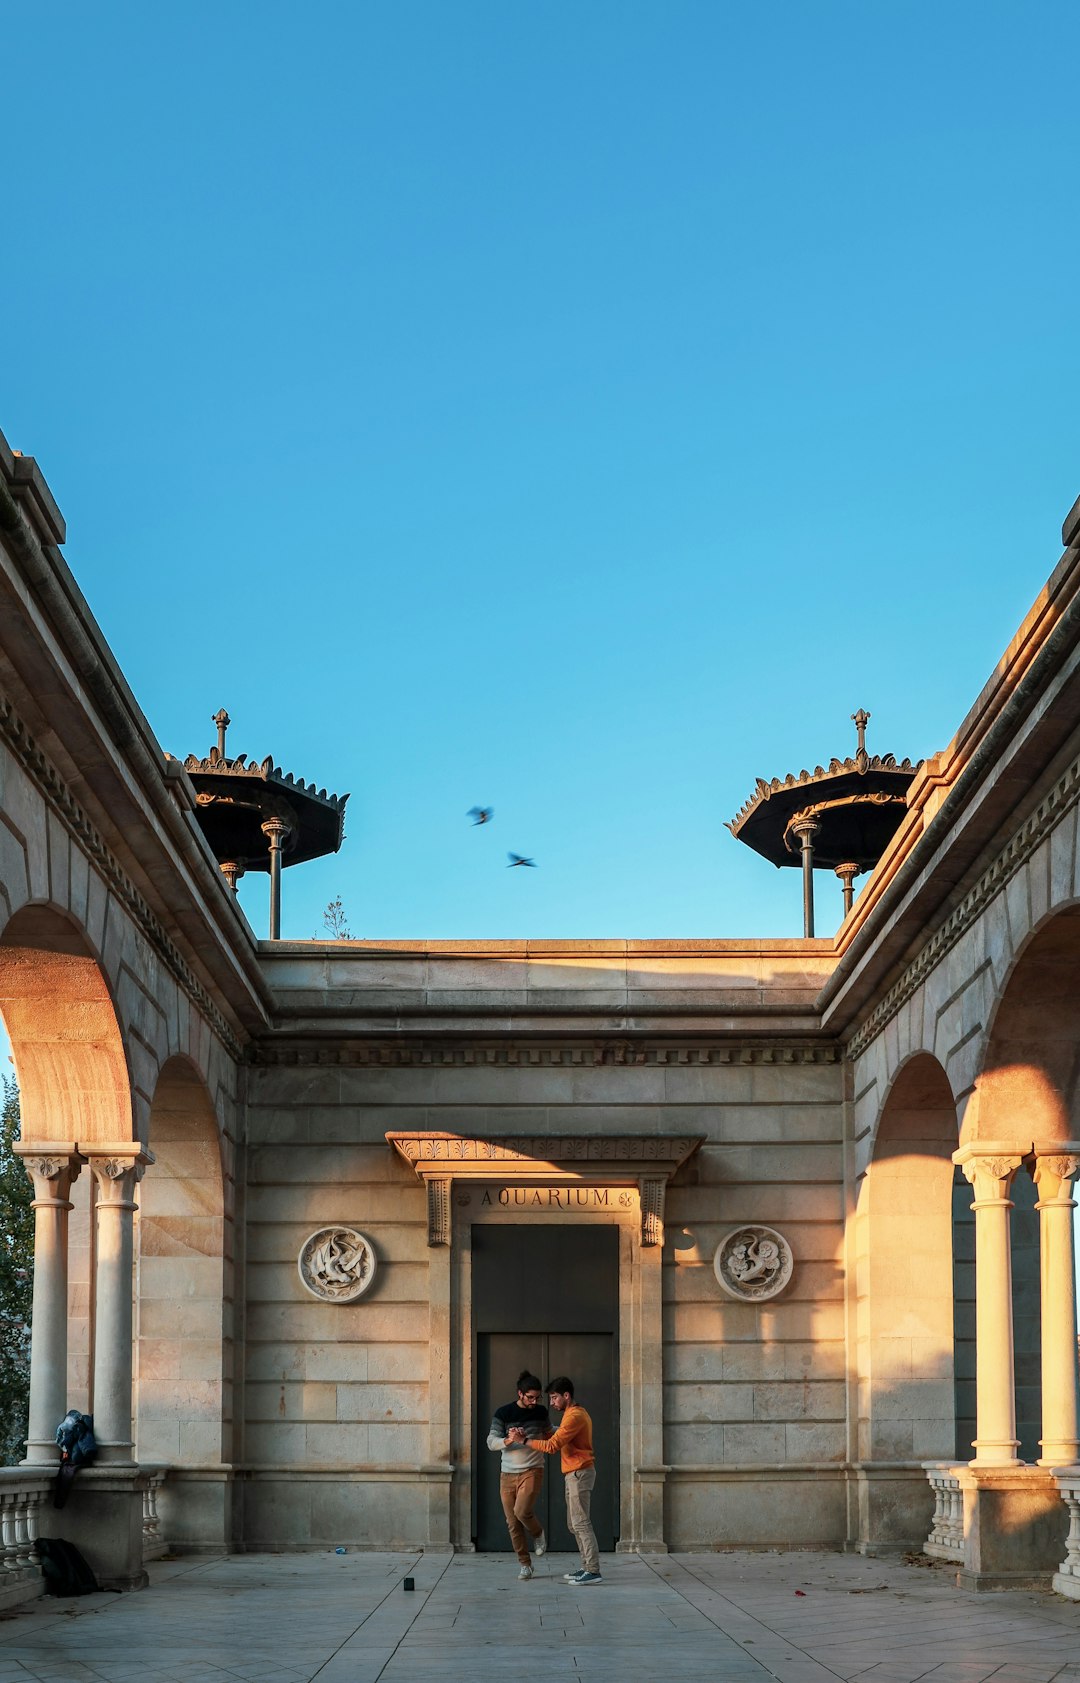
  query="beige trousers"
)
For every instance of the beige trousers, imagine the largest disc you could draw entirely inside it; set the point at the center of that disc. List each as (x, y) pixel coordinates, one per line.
(518, 1493)
(579, 1489)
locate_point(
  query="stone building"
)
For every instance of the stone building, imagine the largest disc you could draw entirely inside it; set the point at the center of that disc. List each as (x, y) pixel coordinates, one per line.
(812, 1195)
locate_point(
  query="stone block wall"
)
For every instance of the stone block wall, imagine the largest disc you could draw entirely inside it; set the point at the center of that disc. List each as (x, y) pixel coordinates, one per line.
(755, 1395)
(335, 1391)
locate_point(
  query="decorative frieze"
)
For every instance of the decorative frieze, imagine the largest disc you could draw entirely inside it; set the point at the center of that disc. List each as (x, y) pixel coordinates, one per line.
(476, 1054)
(1012, 858)
(541, 1151)
(337, 1264)
(753, 1263)
(61, 801)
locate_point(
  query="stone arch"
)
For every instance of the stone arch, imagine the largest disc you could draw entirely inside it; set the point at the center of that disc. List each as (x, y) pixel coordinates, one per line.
(1027, 1092)
(184, 1333)
(905, 1320)
(58, 1010)
(1027, 1085)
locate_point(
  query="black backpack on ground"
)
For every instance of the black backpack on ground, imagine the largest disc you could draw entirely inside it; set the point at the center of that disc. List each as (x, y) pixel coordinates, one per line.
(64, 1569)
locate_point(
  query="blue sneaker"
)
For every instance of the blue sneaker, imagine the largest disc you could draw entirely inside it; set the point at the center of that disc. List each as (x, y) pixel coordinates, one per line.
(572, 1577)
(586, 1578)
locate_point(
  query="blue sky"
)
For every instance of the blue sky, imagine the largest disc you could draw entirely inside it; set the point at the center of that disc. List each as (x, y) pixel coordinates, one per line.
(576, 408)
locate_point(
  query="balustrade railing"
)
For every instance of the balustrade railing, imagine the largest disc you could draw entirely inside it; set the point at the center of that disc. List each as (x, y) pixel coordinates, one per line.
(154, 1545)
(946, 1539)
(23, 1493)
(1067, 1576)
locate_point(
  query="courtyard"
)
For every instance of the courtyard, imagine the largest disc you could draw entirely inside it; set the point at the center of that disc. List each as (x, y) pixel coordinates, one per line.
(732, 1617)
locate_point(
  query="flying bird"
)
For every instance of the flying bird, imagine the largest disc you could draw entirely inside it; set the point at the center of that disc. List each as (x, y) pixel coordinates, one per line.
(481, 814)
(519, 859)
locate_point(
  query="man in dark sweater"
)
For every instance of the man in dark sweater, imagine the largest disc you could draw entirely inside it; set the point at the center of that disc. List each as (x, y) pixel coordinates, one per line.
(522, 1469)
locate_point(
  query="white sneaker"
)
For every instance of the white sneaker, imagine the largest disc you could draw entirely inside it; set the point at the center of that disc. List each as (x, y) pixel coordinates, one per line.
(526, 1572)
(539, 1545)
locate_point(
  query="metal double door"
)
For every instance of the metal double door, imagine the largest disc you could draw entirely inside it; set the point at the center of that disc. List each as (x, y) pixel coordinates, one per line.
(572, 1276)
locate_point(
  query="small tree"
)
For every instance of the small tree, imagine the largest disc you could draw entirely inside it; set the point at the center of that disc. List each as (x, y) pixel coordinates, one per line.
(336, 923)
(16, 1280)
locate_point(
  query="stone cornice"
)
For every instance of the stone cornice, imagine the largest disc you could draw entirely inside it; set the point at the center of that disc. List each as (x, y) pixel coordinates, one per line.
(539, 1157)
(629, 1051)
(1012, 858)
(61, 801)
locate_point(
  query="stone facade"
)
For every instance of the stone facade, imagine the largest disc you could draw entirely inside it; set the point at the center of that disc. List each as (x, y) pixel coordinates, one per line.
(875, 1130)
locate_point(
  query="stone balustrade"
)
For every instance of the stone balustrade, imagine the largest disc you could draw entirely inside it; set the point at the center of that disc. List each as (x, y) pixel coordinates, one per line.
(154, 1544)
(1067, 1576)
(946, 1539)
(23, 1493)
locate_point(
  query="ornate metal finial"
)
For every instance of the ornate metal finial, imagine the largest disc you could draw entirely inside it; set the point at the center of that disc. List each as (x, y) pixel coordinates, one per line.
(222, 721)
(860, 720)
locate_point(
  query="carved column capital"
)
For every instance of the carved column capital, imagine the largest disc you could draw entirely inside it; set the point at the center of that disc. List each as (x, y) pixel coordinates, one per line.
(991, 1168)
(1052, 1168)
(52, 1169)
(117, 1169)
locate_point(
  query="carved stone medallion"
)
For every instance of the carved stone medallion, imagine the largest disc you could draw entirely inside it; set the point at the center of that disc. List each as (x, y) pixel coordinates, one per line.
(336, 1264)
(753, 1263)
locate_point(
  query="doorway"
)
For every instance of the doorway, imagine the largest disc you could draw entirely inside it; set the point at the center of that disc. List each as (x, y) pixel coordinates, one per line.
(546, 1297)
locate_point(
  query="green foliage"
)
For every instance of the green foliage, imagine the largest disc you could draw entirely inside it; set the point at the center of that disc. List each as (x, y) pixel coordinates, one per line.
(16, 1281)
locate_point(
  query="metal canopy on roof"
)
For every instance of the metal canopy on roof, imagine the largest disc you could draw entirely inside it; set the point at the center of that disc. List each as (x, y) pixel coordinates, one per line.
(257, 817)
(840, 817)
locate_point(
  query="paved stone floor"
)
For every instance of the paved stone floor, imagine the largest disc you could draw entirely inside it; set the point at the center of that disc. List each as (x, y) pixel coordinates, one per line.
(723, 1618)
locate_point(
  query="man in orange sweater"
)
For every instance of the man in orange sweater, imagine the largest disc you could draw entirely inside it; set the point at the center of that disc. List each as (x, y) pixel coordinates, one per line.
(574, 1442)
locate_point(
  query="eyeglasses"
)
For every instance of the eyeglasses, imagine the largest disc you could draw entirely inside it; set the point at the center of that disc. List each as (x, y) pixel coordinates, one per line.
(530, 1397)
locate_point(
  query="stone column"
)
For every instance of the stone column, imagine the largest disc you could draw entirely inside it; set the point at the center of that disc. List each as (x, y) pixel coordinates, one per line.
(1053, 1167)
(52, 1169)
(990, 1169)
(116, 1170)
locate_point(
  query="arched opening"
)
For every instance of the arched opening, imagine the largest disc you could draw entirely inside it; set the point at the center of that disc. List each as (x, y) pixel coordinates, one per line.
(183, 1357)
(1027, 1087)
(74, 1089)
(65, 1039)
(904, 1273)
(1026, 1095)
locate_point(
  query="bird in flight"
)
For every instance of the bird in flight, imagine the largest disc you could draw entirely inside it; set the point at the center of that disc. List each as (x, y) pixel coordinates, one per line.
(481, 814)
(519, 859)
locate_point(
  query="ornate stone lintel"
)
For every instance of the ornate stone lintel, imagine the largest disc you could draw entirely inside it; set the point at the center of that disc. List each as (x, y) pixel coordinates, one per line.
(652, 1188)
(645, 1161)
(544, 1158)
(438, 1210)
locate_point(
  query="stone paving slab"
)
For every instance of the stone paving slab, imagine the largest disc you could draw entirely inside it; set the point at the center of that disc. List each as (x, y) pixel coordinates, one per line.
(719, 1618)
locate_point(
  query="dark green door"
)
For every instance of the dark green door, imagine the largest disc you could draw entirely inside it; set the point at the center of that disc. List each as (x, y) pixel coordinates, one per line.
(557, 1287)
